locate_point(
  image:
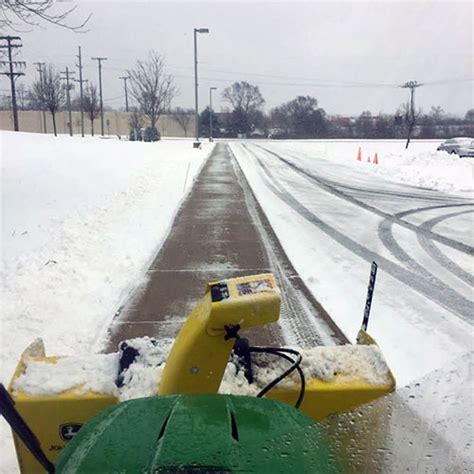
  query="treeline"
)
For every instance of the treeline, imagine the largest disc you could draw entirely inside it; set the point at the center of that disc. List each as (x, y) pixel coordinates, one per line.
(303, 118)
(243, 114)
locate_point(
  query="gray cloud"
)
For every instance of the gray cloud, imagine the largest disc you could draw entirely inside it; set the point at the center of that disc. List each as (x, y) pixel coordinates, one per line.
(343, 53)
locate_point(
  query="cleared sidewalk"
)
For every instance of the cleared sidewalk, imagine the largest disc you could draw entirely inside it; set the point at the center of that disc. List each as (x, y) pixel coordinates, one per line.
(213, 237)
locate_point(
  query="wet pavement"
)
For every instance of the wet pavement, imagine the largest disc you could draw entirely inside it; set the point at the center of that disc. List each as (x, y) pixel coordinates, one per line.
(219, 232)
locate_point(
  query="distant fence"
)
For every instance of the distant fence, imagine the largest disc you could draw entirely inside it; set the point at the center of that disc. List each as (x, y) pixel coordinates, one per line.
(115, 123)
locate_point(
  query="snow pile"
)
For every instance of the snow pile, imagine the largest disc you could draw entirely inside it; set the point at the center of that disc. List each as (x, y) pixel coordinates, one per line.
(349, 362)
(142, 378)
(434, 170)
(80, 374)
(420, 165)
(98, 373)
(81, 221)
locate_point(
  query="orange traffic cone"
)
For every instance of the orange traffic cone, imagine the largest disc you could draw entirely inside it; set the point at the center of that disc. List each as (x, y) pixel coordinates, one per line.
(368, 159)
(376, 159)
(359, 155)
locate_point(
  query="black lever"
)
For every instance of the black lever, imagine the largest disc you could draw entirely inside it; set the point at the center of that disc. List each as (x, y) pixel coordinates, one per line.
(19, 426)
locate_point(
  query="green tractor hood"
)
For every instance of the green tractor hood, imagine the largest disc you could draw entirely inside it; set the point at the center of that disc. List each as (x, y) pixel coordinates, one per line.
(198, 433)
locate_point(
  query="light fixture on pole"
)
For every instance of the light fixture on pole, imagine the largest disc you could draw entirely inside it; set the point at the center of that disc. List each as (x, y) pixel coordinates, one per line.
(210, 111)
(196, 31)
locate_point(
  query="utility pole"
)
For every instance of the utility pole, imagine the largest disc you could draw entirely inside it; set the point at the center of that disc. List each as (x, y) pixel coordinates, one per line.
(68, 96)
(125, 79)
(12, 74)
(412, 85)
(196, 119)
(81, 89)
(99, 60)
(40, 70)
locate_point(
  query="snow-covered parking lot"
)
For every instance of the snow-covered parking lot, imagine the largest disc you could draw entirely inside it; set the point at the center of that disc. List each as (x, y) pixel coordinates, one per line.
(411, 213)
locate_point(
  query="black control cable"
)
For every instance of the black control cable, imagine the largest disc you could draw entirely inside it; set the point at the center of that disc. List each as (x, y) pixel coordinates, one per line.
(232, 332)
(295, 365)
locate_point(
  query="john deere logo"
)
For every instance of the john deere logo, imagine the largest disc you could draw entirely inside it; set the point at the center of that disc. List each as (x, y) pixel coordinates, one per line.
(68, 431)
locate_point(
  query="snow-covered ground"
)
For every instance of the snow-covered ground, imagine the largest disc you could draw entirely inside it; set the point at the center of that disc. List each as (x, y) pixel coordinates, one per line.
(421, 165)
(346, 216)
(413, 214)
(81, 220)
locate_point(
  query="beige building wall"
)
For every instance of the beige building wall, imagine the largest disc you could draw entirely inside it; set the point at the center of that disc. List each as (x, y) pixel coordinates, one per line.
(115, 123)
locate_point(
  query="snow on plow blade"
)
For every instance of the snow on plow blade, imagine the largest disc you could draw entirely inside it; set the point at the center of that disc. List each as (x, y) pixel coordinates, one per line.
(344, 391)
(54, 418)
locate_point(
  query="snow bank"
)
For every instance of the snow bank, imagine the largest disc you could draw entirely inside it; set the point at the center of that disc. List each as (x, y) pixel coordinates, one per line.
(98, 372)
(434, 170)
(421, 165)
(81, 220)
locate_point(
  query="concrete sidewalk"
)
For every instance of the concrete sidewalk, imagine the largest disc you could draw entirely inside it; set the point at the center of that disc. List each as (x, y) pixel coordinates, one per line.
(213, 237)
(220, 232)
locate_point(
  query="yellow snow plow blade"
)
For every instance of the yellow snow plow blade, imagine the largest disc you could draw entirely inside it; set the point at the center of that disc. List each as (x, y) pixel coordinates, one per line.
(54, 419)
(342, 393)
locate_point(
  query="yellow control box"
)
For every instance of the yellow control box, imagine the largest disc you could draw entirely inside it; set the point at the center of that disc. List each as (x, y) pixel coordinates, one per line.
(54, 419)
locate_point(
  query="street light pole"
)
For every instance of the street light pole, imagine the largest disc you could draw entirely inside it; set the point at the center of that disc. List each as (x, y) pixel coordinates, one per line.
(196, 119)
(210, 111)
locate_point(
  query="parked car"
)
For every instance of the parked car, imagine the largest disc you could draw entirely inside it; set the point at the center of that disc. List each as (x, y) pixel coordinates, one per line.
(457, 145)
(467, 150)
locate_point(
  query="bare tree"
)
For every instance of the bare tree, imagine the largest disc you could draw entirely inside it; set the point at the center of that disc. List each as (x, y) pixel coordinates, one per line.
(17, 13)
(183, 117)
(91, 104)
(246, 101)
(50, 92)
(151, 87)
(22, 97)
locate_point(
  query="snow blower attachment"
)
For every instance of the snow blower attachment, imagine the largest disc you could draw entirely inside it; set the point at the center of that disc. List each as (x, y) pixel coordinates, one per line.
(319, 381)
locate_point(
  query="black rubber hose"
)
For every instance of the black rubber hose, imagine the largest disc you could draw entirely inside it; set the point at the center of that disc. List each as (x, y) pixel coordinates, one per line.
(281, 352)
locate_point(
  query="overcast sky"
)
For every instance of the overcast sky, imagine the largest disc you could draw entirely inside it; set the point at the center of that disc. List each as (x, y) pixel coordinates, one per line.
(349, 55)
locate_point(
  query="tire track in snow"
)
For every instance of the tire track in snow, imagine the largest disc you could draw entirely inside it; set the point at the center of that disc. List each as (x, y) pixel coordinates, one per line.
(453, 298)
(302, 322)
(394, 218)
(411, 279)
(439, 256)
